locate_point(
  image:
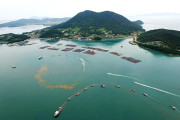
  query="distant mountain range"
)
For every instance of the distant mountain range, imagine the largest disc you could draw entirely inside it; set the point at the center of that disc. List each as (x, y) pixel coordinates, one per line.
(45, 21)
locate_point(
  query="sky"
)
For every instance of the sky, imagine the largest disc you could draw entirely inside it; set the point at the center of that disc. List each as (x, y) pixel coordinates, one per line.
(17, 9)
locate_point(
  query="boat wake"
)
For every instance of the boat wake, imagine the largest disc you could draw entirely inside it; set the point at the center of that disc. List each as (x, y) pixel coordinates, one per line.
(119, 75)
(83, 63)
(157, 89)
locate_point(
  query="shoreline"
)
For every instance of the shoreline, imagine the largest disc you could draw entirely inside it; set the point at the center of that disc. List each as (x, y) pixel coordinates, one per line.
(143, 45)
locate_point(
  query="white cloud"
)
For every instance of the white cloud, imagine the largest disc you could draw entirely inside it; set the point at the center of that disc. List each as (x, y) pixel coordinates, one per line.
(15, 9)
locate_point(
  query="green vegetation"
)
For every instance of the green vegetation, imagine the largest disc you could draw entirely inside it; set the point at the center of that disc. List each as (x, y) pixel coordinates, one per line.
(97, 38)
(89, 25)
(11, 38)
(167, 41)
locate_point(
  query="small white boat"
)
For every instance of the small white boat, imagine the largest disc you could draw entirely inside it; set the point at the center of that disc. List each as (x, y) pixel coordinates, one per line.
(40, 58)
(174, 108)
(13, 66)
(92, 85)
(77, 94)
(118, 86)
(102, 86)
(145, 94)
(68, 99)
(56, 113)
(133, 90)
(85, 89)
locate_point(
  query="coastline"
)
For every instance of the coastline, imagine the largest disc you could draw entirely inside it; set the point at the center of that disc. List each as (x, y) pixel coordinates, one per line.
(154, 47)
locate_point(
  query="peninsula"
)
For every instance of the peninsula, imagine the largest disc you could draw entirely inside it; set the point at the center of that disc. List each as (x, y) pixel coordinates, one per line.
(163, 40)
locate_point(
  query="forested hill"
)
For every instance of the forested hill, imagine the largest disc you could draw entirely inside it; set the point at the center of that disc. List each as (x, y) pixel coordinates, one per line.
(110, 21)
(164, 40)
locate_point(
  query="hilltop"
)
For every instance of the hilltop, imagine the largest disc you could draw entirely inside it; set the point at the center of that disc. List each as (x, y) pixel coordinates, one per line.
(167, 41)
(91, 25)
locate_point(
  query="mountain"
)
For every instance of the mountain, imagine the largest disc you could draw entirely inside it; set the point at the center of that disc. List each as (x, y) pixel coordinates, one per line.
(24, 22)
(167, 41)
(92, 25)
(139, 22)
(108, 20)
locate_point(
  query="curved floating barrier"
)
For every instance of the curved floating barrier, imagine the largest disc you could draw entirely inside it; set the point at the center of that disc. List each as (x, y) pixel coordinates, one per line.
(57, 112)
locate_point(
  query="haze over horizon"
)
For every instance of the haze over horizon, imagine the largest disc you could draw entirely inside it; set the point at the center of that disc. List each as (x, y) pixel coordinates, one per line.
(18, 9)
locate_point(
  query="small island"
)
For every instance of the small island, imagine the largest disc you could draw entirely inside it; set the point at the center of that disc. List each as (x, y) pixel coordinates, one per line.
(163, 40)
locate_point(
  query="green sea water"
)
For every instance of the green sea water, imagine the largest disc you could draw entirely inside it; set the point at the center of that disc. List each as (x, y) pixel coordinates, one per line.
(36, 88)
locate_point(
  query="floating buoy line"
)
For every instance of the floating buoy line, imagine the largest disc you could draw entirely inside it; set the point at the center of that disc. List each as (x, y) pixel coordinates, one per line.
(57, 112)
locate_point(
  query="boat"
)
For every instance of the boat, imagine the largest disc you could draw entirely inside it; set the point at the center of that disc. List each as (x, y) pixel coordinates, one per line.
(13, 66)
(60, 108)
(102, 86)
(68, 99)
(40, 58)
(56, 113)
(85, 89)
(77, 94)
(174, 108)
(92, 85)
(145, 94)
(118, 86)
(133, 90)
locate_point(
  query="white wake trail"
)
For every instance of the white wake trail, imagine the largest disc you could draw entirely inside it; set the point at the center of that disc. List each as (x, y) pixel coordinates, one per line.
(119, 75)
(83, 63)
(157, 89)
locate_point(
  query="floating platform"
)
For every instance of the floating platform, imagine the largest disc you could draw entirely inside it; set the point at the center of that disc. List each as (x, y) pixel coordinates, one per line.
(115, 53)
(59, 44)
(71, 45)
(44, 47)
(53, 48)
(27, 44)
(89, 52)
(131, 59)
(98, 49)
(78, 50)
(67, 49)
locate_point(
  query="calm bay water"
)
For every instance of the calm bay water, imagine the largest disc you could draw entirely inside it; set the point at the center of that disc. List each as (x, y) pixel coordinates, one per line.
(20, 30)
(36, 88)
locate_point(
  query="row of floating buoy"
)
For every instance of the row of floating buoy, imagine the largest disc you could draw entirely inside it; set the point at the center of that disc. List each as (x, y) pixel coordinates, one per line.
(102, 86)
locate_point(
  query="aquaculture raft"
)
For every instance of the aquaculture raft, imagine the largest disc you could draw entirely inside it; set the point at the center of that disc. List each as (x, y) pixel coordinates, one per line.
(131, 59)
(67, 49)
(90, 52)
(78, 50)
